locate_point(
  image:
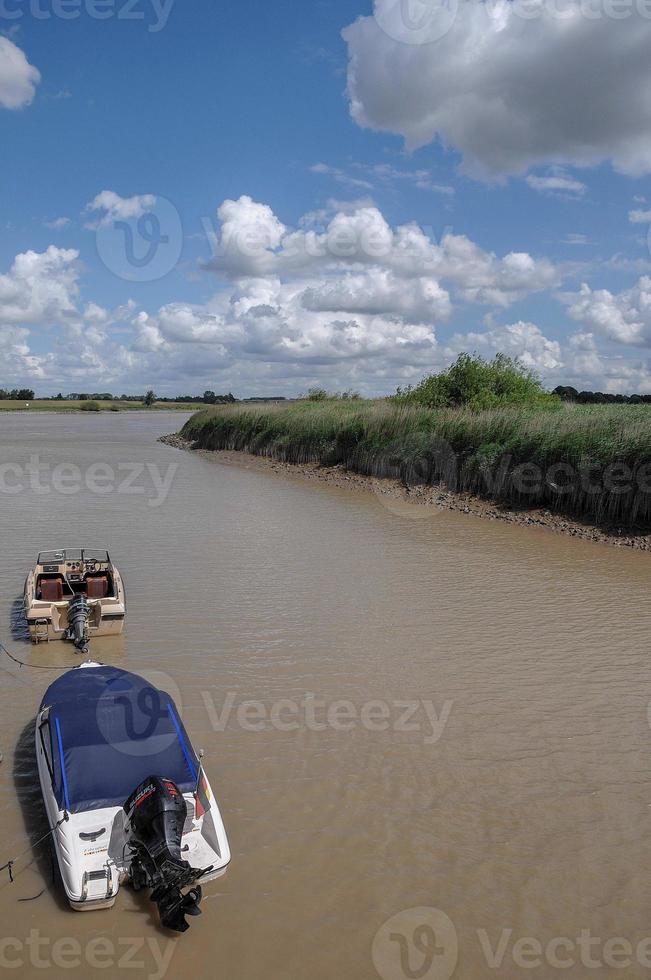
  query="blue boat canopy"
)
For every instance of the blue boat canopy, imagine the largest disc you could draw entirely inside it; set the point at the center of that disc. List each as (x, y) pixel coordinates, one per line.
(108, 730)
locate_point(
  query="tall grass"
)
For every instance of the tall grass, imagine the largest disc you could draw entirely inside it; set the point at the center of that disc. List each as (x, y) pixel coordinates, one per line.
(591, 461)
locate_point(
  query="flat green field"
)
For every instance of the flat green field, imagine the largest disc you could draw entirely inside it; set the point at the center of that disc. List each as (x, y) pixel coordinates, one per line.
(43, 405)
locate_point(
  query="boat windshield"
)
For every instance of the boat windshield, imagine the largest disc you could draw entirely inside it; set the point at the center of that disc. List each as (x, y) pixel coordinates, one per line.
(72, 554)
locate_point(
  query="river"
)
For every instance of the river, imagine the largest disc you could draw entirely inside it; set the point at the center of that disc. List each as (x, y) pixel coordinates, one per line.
(433, 717)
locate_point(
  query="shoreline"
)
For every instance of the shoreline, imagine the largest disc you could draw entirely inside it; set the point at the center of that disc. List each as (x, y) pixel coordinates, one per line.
(85, 411)
(423, 495)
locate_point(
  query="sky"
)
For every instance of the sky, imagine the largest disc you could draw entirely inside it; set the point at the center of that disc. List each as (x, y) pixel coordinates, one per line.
(260, 198)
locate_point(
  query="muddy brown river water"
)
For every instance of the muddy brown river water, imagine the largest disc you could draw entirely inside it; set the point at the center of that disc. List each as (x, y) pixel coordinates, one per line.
(429, 736)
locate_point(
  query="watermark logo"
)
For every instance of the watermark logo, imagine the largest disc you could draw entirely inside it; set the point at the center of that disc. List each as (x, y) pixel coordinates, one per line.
(40, 477)
(143, 247)
(138, 716)
(155, 710)
(562, 952)
(316, 714)
(435, 468)
(416, 21)
(348, 237)
(154, 13)
(416, 944)
(150, 957)
(499, 476)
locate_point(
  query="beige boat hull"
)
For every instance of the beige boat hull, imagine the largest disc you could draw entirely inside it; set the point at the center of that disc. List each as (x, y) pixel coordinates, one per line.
(47, 621)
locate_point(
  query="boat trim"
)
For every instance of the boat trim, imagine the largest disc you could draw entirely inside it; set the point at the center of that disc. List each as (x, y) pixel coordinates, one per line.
(62, 762)
(190, 764)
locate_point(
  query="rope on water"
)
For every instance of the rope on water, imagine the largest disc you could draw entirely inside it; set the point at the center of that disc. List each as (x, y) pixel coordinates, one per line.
(21, 663)
(32, 898)
(9, 866)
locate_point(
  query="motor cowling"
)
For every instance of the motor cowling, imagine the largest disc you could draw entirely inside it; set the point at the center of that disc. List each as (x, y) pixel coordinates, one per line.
(78, 616)
(156, 813)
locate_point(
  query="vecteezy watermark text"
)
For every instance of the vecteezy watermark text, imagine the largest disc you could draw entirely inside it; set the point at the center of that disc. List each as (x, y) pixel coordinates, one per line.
(40, 477)
(421, 22)
(563, 952)
(424, 942)
(317, 714)
(151, 957)
(155, 12)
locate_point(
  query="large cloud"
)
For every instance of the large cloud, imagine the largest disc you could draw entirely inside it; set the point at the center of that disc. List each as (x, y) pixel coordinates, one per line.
(354, 303)
(622, 317)
(385, 261)
(18, 79)
(40, 288)
(521, 340)
(511, 83)
(267, 320)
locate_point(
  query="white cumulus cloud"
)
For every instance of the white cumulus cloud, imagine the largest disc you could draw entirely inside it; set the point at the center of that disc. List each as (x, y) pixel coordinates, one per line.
(358, 303)
(18, 79)
(40, 288)
(253, 242)
(523, 341)
(623, 317)
(509, 84)
(116, 208)
(557, 182)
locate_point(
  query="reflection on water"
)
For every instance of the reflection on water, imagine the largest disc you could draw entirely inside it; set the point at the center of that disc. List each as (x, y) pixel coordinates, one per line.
(396, 713)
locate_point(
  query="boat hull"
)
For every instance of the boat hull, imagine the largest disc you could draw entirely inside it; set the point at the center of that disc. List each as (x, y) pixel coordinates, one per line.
(50, 624)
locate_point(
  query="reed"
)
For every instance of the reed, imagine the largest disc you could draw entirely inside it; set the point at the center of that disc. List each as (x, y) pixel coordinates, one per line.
(593, 462)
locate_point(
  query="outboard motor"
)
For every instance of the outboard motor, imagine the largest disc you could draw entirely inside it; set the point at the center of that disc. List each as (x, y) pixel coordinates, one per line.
(78, 616)
(156, 813)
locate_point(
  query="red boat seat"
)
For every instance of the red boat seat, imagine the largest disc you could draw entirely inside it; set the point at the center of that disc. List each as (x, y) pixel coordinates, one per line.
(52, 589)
(97, 587)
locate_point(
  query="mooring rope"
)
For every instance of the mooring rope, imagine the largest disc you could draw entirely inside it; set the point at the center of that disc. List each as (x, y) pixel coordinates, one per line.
(21, 663)
(9, 866)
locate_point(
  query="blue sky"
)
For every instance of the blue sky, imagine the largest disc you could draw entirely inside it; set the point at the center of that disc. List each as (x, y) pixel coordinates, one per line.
(523, 163)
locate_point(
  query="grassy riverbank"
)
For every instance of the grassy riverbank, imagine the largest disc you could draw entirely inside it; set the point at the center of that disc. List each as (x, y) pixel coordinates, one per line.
(590, 461)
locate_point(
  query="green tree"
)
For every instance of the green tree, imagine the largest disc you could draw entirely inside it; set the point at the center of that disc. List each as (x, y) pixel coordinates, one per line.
(474, 382)
(149, 398)
(317, 394)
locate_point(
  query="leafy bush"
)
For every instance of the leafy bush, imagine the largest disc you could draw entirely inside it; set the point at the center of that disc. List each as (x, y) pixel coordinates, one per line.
(321, 395)
(478, 384)
(90, 406)
(317, 395)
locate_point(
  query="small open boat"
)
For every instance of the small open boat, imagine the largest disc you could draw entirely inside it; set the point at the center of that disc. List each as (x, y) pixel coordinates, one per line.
(125, 793)
(74, 595)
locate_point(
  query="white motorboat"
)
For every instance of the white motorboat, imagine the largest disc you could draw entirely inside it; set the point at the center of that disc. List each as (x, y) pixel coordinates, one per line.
(125, 793)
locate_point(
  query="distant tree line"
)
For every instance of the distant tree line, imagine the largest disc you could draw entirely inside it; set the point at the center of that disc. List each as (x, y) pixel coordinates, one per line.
(208, 397)
(17, 394)
(569, 394)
